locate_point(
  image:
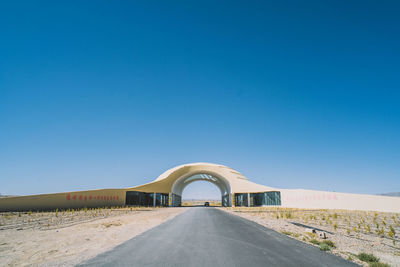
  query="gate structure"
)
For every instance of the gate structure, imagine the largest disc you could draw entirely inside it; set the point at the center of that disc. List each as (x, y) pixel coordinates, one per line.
(229, 181)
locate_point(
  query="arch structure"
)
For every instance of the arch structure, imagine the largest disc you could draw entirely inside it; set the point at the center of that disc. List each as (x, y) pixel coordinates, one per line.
(234, 186)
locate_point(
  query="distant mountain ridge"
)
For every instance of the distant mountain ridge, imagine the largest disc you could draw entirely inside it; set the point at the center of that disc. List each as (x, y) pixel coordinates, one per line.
(393, 194)
(1, 195)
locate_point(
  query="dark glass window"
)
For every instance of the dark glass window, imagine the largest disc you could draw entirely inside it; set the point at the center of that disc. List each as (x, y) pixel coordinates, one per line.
(162, 200)
(272, 198)
(241, 200)
(136, 198)
(176, 200)
(256, 199)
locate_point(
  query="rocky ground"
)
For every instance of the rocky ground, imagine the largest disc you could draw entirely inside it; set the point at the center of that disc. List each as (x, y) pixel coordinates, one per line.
(65, 238)
(352, 232)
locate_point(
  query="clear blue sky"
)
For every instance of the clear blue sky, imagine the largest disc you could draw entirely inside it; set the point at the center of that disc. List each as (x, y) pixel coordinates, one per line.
(109, 94)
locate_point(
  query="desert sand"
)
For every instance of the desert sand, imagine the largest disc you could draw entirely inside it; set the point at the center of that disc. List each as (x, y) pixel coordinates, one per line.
(60, 242)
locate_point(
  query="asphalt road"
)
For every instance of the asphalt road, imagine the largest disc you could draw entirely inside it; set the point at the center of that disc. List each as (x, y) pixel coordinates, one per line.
(211, 237)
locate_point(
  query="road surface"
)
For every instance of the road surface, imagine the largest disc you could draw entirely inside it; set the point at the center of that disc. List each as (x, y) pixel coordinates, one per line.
(211, 237)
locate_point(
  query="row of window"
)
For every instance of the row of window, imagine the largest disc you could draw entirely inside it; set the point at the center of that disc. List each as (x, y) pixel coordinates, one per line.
(272, 198)
(135, 198)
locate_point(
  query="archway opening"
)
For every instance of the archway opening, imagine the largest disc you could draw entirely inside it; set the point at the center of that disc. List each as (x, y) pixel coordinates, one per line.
(200, 192)
(182, 182)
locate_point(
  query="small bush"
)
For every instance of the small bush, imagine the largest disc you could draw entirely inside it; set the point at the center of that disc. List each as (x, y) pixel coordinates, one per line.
(286, 233)
(350, 258)
(288, 215)
(329, 243)
(315, 241)
(391, 232)
(324, 247)
(367, 257)
(381, 232)
(312, 235)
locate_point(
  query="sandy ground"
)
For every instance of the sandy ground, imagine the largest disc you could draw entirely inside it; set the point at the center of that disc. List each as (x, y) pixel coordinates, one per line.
(354, 233)
(66, 238)
(67, 245)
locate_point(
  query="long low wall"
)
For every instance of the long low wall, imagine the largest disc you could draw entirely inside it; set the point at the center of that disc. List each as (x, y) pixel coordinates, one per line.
(78, 199)
(291, 198)
(300, 198)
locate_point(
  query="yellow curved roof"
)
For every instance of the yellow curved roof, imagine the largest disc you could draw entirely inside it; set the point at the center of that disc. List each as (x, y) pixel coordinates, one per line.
(206, 165)
(230, 179)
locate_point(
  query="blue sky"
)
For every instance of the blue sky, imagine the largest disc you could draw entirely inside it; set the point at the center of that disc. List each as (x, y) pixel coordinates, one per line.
(294, 94)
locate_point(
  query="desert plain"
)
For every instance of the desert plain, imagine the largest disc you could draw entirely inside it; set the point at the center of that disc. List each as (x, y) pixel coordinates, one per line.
(69, 237)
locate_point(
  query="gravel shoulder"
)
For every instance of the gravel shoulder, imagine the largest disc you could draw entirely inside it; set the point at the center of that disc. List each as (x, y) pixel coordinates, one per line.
(352, 232)
(67, 244)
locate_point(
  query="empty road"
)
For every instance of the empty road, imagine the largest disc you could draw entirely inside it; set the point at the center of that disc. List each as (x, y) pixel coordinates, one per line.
(211, 237)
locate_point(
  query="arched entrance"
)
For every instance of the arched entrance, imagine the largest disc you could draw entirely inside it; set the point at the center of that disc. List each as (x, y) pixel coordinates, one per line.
(181, 183)
(236, 189)
(199, 192)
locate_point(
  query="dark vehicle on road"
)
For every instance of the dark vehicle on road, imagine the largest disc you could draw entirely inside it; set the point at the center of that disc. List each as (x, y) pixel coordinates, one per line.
(206, 204)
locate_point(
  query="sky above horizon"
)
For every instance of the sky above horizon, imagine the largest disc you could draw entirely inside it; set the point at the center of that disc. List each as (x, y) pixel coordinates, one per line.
(293, 94)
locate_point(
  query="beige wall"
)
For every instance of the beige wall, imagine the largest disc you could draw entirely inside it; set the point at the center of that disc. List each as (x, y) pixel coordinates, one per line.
(300, 198)
(291, 198)
(78, 199)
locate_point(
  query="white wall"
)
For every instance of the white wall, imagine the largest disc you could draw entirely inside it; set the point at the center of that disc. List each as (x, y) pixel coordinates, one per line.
(300, 198)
